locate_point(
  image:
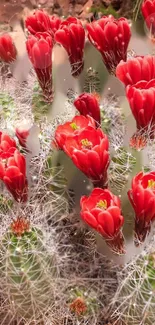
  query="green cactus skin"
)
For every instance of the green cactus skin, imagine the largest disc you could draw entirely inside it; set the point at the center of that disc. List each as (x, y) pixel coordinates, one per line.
(136, 295)
(26, 274)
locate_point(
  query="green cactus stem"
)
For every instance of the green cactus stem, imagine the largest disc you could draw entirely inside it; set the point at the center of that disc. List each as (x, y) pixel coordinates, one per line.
(135, 298)
(27, 270)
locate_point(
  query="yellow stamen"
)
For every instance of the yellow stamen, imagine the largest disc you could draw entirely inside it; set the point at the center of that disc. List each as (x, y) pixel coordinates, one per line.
(151, 184)
(87, 144)
(102, 204)
(74, 126)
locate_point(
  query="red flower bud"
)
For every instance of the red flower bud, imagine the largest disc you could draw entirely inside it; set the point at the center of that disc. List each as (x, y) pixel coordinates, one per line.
(148, 12)
(8, 52)
(22, 135)
(89, 151)
(136, 69)
(39, 48)
(142, 198)
(141, 97)
(71, 36)
(7, 146)
(111, 37)
(13, 174)
(87, 104)
(40, 21)
(101, 211)
(71, 128)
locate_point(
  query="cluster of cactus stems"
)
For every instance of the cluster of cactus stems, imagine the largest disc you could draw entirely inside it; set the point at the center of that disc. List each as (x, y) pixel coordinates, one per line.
(92, 134)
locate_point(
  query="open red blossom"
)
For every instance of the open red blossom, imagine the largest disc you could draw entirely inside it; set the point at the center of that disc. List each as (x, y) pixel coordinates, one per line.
(71, 35)
(13, 174)
(39, 48)
(111, 37)
(71, 128)
(89, 151)
(87, 104)
(101, 211)
(148, 12)
(7, 146)
(142, 198)
(136, 69)
(8, 52)
(141, 97)
(40, 21)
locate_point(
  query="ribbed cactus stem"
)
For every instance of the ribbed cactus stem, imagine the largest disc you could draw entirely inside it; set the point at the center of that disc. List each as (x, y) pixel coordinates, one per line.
(126, 205)
(26, 270)
(135, 298)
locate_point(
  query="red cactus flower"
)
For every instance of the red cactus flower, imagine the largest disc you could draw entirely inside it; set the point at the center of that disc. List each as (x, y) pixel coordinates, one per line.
(73, 127)
(141, 97)
(89, 151)
(101, 211)
(7, 146)
(8, 51)
(111, 37)
(40, 21)
(87, 104)
(13, 174)
(142, 198)
(148, 12)
(39, 48)
(22, 135)
(71, 36)
(136, 69)
(55, 23)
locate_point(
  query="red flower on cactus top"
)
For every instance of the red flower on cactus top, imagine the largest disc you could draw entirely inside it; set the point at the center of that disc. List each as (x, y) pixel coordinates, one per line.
(111, 37)
(7, 146)
(148, 12)
(71, 128)
(141, 97)
(101, 211)
(136, 69)
(39, 48)
(89, 151)
(8, 52)
(13, 174)
(87, 104)
(142, 198)
(71, 36)
(40, 21)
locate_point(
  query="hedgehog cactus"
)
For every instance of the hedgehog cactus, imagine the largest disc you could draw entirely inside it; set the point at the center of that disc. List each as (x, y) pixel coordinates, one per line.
(135, 298)
(105, 145)
(27, 270)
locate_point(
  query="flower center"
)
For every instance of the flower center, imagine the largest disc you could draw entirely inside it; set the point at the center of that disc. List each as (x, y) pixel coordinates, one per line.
(151, 184)
(74, 126)
(102, 204)
(86, 143)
